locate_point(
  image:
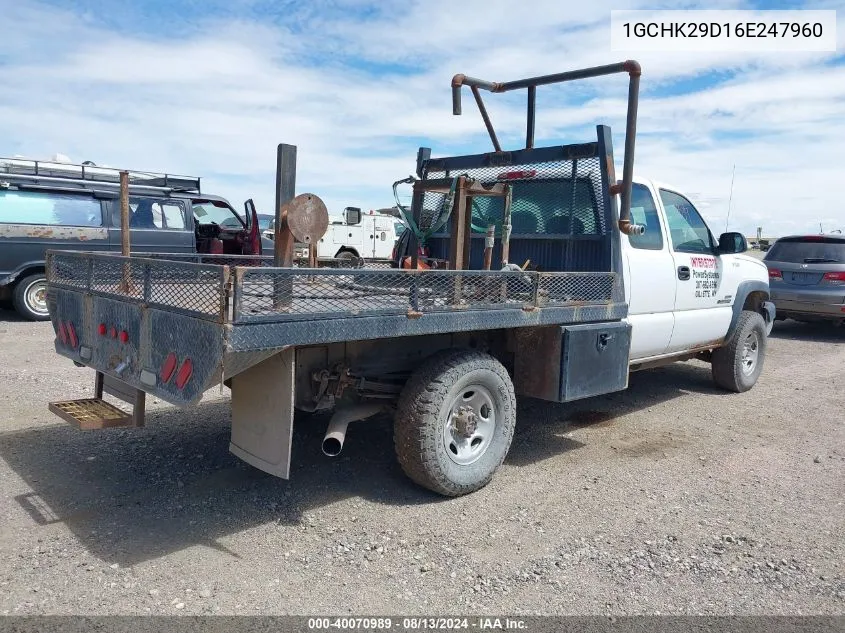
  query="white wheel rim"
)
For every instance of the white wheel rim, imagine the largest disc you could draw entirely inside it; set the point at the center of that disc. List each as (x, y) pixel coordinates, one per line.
(35, 296)
(750, 353)
(470, 425)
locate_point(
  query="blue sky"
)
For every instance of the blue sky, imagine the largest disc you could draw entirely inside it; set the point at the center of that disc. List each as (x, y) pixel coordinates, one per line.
(208, 87)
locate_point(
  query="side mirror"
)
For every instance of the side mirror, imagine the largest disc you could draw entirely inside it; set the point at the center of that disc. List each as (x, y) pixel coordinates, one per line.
(352, 215)
(731, 243)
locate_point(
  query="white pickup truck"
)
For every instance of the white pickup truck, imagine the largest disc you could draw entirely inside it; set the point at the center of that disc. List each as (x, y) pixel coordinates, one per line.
(446, 351)
(690, 295)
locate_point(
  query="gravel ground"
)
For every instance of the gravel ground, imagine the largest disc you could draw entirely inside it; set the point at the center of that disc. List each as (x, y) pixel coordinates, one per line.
(671, 497)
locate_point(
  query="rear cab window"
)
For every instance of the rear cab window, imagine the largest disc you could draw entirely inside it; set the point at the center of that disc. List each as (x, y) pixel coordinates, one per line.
(49, 208)
(807, 250)
(644, 213)
(548, 207)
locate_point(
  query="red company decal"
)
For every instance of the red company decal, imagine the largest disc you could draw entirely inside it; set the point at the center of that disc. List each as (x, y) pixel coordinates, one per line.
(702, 262)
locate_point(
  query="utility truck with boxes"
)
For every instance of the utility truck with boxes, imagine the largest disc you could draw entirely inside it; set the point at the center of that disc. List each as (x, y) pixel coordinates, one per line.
(352, 237)
(536, 283)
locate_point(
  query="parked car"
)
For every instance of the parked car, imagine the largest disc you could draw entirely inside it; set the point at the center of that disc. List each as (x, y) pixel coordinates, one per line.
(49, 205)
(807, 277)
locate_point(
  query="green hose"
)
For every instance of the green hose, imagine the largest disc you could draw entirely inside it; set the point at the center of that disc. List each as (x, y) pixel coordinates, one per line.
(422, 236)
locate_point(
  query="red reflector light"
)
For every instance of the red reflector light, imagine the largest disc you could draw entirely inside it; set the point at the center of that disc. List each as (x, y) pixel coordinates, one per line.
(62, 333)
(113, 333)
(168, 367)
(102, 329)
(71, 335)
(835, 276)
(774, 273)
(515, 175)
(124, 336)
(184, 373)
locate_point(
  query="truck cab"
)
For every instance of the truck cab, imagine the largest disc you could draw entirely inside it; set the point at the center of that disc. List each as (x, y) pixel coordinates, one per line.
(685, 289)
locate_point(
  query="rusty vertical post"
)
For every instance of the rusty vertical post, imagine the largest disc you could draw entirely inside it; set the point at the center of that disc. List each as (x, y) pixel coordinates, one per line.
(283, 242)
(506, 227)
(489, 242)
(468, 233)
(457, 254)
(285, 191)
(124, 230)
(312, 261)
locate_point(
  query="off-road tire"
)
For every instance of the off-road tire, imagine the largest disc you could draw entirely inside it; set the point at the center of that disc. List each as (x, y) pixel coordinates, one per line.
(23, 299)
(727, 362)
(425, 409)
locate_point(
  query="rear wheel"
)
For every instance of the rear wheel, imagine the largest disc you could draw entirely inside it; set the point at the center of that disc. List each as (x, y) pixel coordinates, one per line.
(30, 297)
(738, 365)
(348, 259)
(455, 421)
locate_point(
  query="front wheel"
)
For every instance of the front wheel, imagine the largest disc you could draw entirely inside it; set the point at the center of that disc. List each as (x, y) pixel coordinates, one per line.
(738, 365)
(30, 298)
(455, 422)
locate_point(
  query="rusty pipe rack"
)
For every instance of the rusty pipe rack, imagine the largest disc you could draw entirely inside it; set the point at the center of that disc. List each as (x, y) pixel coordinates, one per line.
(630, 66)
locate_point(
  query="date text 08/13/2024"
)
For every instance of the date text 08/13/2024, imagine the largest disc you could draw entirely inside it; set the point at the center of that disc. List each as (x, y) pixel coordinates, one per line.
(417, 623)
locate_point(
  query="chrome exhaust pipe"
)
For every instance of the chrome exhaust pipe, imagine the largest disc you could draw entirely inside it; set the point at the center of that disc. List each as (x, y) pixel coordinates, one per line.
(336, 432)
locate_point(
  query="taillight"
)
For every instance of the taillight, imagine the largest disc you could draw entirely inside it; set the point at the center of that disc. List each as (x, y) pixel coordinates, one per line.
(516, 175)
(835, 277)
(113, 332)
(124, 336)
(184, 373)
(62, 333)
(168, 367)
(774, 273)
(71, 335)
(102, 329)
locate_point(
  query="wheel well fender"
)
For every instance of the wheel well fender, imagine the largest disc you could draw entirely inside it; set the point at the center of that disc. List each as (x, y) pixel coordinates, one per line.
(751, 295)
(25, 270)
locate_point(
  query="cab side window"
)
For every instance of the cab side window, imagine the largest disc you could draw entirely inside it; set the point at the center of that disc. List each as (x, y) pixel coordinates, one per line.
(688, 231)
(148, 213)
(644, 212)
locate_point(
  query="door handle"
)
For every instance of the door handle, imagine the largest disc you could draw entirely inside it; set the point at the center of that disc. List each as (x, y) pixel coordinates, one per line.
(683, 273)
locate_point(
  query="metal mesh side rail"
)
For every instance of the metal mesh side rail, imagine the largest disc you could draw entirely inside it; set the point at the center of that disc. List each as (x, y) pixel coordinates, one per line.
(562, 289)
(195, 289)
(290, 294)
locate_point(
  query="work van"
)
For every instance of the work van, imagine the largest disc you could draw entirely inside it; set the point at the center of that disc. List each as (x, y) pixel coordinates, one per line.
(52, 205)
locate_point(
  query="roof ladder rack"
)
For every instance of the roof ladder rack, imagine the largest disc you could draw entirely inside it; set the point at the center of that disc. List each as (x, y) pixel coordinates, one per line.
(89, 172)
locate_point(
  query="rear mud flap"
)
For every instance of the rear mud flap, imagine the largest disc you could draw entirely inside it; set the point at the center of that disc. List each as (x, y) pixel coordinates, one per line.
(262, 414)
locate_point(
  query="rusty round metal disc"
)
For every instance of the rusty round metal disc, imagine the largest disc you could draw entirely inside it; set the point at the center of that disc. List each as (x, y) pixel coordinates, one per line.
(307, 218)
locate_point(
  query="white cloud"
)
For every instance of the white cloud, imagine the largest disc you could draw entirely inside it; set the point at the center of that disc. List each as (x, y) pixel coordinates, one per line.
(217, 99)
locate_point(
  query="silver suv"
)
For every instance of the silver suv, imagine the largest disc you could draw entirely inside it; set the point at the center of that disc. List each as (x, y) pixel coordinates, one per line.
(807, 277)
